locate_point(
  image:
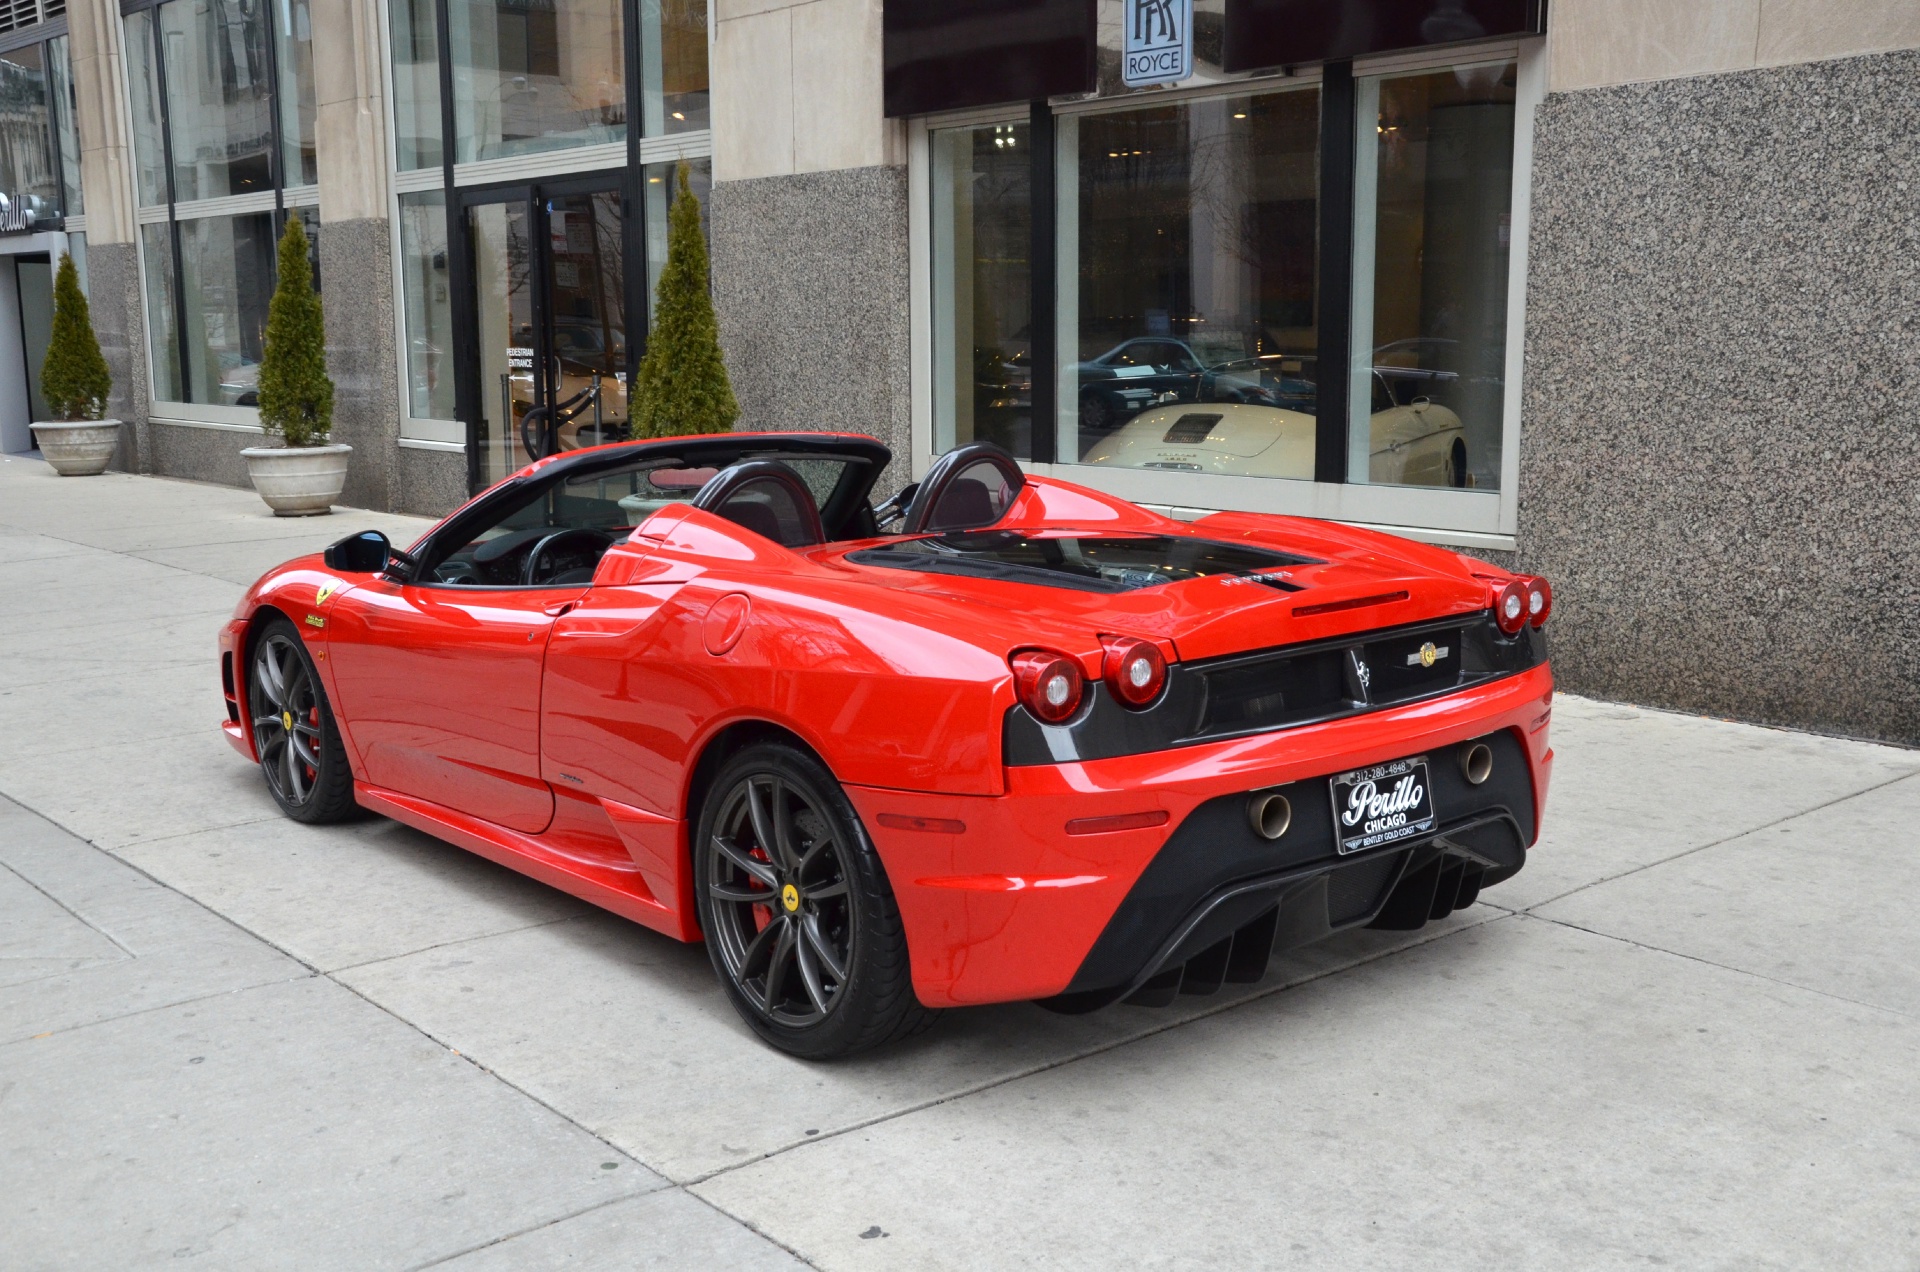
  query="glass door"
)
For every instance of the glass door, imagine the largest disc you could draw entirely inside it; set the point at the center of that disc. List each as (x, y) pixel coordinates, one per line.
(549, 365)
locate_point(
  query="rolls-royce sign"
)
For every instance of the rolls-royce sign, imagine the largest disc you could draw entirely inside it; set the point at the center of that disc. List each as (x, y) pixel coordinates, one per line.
(1158, 48)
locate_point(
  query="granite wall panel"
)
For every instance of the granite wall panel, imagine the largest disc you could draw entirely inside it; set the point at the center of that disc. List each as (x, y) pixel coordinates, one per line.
(429, 483)
(115, 305)
(1720, 457)
(200, 454)
(356, 279)
(810, 277)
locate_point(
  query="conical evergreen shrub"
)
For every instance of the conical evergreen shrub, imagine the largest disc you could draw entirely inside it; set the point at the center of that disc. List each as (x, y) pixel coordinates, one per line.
(682, 385)
(74, 378)
(296, 397)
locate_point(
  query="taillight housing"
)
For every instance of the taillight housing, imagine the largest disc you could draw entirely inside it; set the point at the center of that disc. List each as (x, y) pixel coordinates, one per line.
(1510, 606)
(1134, 669)
(1048, 684)
(1539, 599)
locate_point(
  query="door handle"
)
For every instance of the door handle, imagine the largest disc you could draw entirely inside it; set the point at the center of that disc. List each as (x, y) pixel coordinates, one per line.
(558, 608)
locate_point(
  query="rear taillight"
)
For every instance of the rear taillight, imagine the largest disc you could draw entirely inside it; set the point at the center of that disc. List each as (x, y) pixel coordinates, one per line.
(1510, 606)
(1134, 670)
(1048, 684)
(1539, 600)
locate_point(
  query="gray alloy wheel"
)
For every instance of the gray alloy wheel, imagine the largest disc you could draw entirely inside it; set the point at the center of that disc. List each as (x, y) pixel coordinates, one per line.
(293, 730)
(1095, 414)
(800, 922)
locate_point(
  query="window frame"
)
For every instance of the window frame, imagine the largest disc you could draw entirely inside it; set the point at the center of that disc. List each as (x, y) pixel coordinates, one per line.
(280, 201)
(1487, 520)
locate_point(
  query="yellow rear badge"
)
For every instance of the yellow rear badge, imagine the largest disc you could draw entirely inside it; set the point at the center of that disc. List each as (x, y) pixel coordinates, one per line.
(314, 620)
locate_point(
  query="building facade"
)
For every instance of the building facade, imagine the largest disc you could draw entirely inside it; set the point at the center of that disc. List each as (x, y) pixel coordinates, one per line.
(1616, 290)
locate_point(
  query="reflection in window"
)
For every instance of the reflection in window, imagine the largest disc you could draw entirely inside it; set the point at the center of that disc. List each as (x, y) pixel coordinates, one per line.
(416, 84)
(143, 92)
(156, 253)
(536, 76)
(1188, 250)
(293, 27)
(227, 277)
(983, 298)
(1431, 250)
(673, 57)
(26, 134)
(428, 305)
(662, 186)
(61, 67)
(219, 97)
(589, 307)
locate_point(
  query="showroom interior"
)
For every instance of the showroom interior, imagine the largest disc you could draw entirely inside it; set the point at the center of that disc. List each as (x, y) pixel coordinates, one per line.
(1510, 277)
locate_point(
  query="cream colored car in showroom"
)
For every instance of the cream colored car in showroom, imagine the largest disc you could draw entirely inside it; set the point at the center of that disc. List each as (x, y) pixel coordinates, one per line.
(1419, 444)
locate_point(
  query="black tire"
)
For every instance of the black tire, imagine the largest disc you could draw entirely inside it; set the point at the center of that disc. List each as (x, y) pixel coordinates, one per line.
(800, 921)
(1096, 414)
(1457, 464)
(294, 733)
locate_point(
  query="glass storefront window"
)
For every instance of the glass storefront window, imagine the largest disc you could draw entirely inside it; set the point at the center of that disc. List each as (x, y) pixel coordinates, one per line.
(416, 84)
(219, 97)
(293, 27)
(163, 342)
(673, 55)
(661, 186)
(61, 67)
(227, 275)
(982, 286)
(428, 305)
(26, 132)
(143, 92)
(1432, 244)
(537, 75)
(1188, 260)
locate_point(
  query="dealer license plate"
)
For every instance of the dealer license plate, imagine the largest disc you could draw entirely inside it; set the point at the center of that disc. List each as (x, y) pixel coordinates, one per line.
(1382, 805)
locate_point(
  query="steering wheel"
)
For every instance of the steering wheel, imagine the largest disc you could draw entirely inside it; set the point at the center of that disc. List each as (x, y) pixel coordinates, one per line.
(530, 572)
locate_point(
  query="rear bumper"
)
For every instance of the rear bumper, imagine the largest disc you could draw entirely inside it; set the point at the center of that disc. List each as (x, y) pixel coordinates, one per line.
(1001, 902)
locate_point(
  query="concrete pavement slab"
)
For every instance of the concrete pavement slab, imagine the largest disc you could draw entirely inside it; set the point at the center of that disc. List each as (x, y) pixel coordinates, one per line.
(41, 937)
(96, 705)
(1632, 786)
(129, 792)
(288, 1126)
(1823, 900)
(341, 895)
(626, 1030)
(172, 950)
(666, 1231)
(1520, 1094)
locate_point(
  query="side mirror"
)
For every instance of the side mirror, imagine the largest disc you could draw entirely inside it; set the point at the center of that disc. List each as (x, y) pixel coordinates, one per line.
(364, 553)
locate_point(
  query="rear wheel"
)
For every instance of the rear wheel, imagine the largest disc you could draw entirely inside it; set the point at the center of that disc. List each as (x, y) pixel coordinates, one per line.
(294, 735)
(800, 921)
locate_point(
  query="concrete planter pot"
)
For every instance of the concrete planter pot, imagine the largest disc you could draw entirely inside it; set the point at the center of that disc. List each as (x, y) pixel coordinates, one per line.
(298, 481)
(78, 448)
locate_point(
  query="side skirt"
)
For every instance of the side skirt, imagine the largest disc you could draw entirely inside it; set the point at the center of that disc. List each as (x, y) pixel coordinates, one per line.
(623, 892)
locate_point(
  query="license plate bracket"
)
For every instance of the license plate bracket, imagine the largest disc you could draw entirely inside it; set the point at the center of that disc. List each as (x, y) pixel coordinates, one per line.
(1382, 804)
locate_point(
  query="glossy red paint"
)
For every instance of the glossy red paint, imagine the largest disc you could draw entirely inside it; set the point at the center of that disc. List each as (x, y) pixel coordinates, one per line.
(559, 730)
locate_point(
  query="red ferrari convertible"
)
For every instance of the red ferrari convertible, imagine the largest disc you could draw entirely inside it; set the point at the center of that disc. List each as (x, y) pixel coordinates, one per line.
(998, 737)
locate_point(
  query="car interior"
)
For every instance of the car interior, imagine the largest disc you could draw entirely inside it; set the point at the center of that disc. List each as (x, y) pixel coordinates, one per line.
(550, 528)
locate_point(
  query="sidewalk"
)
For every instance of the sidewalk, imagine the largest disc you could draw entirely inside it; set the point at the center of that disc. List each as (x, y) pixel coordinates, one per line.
(1685, 1034)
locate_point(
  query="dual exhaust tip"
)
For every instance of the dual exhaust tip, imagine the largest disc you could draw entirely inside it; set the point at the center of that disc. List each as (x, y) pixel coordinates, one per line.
(1271, 814)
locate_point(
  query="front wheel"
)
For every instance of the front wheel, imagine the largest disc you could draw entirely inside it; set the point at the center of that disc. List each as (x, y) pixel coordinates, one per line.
(294, 734)
(800, 921)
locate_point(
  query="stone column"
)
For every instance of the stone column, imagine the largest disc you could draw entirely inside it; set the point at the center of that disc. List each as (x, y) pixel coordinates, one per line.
(106, 176)
(809, 220)
(356, 271)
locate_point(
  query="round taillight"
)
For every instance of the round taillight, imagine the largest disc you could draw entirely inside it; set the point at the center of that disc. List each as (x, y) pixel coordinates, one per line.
(1134, 670)
(1510, 606)
(1048, 684)
(1539, 600)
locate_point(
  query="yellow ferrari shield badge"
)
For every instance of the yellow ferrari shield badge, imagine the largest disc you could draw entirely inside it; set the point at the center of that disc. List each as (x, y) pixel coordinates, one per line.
(327, 589)
(1428, 654)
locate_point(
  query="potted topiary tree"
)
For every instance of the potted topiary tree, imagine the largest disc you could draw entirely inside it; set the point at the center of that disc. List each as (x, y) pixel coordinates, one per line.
(75, 381)
(682, 384)
(302, 476)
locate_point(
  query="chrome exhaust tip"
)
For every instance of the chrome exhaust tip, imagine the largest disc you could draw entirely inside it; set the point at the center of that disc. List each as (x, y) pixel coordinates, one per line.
(1476, 763)
(1270, 813)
